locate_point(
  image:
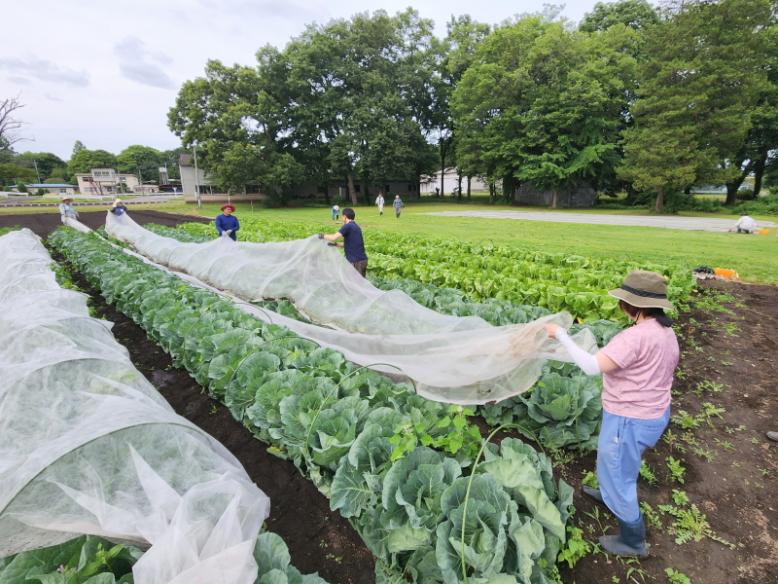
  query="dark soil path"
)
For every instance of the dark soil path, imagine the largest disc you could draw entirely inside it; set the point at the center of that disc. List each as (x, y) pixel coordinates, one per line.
(730, 360)
(318, 539)
(45, 223)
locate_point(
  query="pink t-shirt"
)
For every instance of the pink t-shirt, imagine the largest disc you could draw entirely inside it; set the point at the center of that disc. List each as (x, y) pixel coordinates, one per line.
(647, 355)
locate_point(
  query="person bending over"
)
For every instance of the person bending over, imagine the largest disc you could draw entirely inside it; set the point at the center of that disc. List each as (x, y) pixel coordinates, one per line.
(353, 242)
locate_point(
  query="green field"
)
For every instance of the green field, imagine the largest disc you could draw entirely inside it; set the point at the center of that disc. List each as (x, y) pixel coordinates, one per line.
(754, 257)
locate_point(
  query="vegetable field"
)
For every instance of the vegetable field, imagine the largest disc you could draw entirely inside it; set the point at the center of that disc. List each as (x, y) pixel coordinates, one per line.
(412, 490)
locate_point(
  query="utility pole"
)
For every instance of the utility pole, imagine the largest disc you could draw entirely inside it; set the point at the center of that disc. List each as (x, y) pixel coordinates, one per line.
(35, 163)
(197, 179)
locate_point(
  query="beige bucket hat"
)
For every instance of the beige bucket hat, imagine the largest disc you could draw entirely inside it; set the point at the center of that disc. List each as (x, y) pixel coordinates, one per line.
(643, 289)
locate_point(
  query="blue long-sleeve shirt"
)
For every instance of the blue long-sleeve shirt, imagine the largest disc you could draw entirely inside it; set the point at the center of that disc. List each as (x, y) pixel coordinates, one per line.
(225, 222)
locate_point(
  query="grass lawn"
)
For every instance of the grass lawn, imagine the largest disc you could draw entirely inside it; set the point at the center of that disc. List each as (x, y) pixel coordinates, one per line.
(754, 257)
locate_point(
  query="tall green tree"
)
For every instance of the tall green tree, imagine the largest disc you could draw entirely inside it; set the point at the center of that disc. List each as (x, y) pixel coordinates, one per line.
(540, 104)
(84, 160)
(636, 14)
(362, 93)
(143, 161)
(698, 85)
(11, 174)
(46, 162)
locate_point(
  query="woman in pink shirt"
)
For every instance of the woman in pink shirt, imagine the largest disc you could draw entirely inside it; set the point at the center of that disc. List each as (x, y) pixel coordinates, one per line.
(637, 368)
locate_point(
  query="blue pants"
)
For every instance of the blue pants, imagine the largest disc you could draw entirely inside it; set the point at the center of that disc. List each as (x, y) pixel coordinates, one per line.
(619, 450)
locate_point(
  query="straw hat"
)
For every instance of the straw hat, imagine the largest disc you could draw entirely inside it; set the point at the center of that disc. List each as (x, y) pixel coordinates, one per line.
(643, 290)
(66, 198)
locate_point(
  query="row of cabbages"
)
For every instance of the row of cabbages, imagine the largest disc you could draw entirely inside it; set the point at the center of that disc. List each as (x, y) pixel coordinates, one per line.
(426, 516)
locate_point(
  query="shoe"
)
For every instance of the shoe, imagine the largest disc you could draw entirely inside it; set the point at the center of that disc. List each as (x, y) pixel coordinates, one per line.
(631, 540)
(773, 436)
(593, 493)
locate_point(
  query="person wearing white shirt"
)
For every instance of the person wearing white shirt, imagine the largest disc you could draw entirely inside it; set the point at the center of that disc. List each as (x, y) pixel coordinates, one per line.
(66, 209)
(379, 201)
(745, 224)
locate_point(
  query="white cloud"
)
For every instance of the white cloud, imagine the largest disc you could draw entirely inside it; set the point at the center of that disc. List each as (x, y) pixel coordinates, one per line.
(44, 70)
(106, 72)
(141, 65)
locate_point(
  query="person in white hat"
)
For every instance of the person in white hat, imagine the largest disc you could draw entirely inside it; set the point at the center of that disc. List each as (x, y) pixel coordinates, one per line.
(66, 209)
(637, 366)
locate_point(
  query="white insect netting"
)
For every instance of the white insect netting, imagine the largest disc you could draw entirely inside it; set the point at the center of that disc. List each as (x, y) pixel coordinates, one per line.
(453, 359)
(90, 447)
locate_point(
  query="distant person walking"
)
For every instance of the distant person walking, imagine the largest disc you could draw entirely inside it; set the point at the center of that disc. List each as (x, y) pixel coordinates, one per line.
(226, 223)
(353, 243)
(379, 201)
(398, 206)
(335, 212)
(66, 209)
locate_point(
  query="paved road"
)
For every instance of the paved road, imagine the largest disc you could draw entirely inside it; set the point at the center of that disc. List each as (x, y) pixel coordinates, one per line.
(668, 222)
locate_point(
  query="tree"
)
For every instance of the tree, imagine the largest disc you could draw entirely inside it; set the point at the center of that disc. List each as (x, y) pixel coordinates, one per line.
(141, 160)
(636, 14)
(9, 124)
(46, 162)
(85, 160)
(353, 99)
(11, 173)
(540, 104)
(458, 51)
(697, 87)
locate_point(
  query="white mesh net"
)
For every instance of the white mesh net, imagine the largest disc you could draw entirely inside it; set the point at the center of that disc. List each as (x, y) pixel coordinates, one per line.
(89, 446)
(453, 359)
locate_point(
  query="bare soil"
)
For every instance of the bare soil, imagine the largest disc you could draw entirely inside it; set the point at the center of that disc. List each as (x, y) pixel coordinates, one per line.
(736, 346)
(45, 223)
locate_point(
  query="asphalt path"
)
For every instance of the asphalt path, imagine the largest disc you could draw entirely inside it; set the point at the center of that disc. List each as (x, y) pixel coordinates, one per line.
(667, 222)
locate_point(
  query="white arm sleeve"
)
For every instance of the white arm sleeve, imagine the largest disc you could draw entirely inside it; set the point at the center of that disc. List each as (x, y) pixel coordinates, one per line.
(586, 361)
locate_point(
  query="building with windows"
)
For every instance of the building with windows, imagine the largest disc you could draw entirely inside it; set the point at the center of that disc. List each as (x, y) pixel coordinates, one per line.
(106, 181)
(52, 188)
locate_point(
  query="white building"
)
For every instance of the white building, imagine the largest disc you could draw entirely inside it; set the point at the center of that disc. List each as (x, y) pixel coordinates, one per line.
(106, 181)
(451, 183)
(188, 181)
(52, 188)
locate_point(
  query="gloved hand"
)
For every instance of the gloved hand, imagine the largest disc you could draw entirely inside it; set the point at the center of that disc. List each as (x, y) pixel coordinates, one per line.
(228, 232)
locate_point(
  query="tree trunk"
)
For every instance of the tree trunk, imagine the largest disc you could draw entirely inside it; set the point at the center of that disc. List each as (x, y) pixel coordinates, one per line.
(468, 188)
(459, 186)
(734, 185)
(554, 198)
(660, 201)
(443, 149)
(352, 192)
(759, 169)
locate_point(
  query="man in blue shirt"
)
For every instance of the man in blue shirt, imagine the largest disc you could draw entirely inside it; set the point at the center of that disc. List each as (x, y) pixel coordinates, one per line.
(353, 243)
(227, 223)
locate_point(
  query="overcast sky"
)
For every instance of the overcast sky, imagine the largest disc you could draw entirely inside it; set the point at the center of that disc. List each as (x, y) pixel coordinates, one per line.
(106, 72)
